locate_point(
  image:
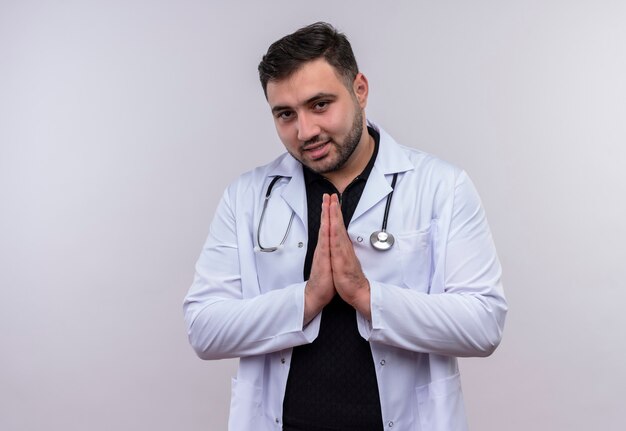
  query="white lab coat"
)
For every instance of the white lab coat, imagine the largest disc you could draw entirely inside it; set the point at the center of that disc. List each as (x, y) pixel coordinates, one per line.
(435, 295)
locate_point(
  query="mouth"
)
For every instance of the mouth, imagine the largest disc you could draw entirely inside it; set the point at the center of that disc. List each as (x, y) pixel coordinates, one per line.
(317, 150)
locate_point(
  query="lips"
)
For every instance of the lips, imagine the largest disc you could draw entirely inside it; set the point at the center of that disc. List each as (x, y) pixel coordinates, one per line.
(318, 150)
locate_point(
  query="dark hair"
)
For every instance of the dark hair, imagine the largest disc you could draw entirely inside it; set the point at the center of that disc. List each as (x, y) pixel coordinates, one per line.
(287, 55)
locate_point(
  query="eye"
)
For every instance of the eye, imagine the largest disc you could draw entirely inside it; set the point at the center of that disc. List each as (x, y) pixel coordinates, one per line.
(321, 105)
(285, 115)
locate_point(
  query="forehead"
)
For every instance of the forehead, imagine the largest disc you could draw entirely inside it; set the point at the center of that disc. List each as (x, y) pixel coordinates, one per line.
(312, 78)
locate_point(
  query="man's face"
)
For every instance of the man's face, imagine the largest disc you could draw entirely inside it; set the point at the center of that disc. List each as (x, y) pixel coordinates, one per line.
(317, 118)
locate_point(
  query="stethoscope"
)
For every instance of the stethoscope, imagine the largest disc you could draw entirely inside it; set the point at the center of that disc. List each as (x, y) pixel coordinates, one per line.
(380, 239)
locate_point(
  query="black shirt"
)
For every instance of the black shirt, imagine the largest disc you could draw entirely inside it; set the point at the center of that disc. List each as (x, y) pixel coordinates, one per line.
(332, 381)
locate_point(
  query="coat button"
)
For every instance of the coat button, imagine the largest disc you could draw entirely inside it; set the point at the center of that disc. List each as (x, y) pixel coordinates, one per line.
(282, 360)
(300, 244)
(359, 239)
(382, 362)
(390, 424)
(277, 420)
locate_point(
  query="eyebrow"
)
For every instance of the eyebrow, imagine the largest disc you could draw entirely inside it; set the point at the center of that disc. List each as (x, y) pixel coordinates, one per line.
(318, 96)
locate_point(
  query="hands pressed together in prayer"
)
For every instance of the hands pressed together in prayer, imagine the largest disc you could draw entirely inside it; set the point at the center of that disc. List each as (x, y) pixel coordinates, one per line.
(335, 267)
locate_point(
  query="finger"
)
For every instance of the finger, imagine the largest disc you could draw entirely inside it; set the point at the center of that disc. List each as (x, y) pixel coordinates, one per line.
(335, 206)
(324, 221)
(334, 209)
(338, 233)
(326, 199)
(320, 288)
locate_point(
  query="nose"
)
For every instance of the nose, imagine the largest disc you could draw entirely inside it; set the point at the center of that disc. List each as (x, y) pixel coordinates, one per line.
(307, 127)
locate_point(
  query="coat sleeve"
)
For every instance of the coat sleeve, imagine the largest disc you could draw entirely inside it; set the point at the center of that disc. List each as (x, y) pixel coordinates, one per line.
(222, 321)
(464, 313)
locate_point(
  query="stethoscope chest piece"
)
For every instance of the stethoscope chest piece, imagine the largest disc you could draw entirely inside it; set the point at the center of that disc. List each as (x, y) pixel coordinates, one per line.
(382, 240)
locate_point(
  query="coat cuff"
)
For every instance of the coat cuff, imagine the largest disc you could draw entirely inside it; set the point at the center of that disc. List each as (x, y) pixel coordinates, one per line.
(310, 330)
(365, 326)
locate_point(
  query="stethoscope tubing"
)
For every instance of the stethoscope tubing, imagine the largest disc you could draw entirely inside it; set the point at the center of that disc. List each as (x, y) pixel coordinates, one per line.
(258, 231)
(380, 240)
(388, 204)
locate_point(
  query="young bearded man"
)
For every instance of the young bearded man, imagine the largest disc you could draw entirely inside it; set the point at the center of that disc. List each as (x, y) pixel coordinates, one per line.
(348, 274)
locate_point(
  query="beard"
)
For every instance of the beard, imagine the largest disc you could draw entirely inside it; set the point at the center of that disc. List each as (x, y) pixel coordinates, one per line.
(344, 149)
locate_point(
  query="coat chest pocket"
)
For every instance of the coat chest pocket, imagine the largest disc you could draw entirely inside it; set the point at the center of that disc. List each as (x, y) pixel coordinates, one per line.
(416, 258)
(279, 245)
(407, 263)
(280, 268)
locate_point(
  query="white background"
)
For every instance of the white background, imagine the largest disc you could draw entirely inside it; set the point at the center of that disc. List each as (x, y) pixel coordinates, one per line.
(121, 122)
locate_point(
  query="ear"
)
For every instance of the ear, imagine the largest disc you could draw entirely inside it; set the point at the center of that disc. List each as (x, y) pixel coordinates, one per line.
(360, 87)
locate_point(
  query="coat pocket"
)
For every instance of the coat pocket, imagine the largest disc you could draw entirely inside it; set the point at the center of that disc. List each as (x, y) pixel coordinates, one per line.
(440, 405)
(245, 405)
(416, 258)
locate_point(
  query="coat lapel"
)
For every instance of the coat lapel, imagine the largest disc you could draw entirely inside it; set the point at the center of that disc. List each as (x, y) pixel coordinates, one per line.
(391, 159)
(293, 193)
